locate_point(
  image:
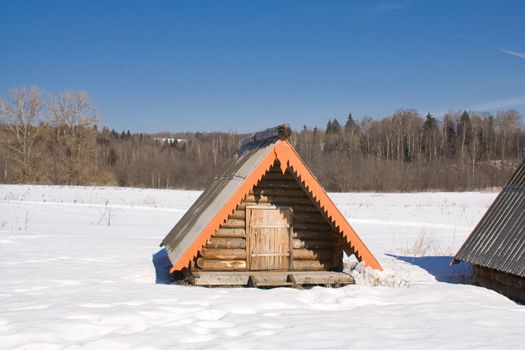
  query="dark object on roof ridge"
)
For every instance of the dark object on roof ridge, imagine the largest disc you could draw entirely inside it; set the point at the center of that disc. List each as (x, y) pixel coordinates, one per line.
(261, 138)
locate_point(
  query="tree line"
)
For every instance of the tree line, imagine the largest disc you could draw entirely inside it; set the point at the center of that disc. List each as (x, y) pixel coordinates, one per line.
(463, 150)
(56, 140)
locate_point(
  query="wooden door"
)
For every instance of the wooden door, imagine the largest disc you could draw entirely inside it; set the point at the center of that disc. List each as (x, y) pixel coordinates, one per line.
(269, 232)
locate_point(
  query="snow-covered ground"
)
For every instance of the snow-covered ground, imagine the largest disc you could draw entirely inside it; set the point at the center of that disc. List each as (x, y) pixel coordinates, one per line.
(76, 272)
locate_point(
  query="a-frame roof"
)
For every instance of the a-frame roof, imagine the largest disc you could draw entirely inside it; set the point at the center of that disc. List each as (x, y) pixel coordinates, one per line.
(227, 191)
(498, 241)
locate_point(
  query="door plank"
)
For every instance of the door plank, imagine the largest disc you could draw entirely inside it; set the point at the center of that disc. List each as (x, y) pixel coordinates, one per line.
(269, 235)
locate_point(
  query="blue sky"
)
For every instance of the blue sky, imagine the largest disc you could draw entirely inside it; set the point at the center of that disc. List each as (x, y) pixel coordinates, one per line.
(246, 65)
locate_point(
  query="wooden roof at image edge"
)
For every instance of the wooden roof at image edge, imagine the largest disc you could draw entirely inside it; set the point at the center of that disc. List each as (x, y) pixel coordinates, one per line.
(498, 241)
(225, 193)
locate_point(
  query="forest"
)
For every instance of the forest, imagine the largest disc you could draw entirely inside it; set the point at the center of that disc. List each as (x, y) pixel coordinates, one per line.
(47, 139)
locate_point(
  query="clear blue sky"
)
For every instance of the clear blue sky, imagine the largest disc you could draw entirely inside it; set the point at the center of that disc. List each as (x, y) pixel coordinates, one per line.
(245, 65)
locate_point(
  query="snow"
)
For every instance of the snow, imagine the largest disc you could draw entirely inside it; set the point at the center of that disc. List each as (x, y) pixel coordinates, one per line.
(76, 273)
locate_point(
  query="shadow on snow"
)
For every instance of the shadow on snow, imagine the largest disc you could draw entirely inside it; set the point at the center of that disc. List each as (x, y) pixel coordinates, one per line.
(439, 267)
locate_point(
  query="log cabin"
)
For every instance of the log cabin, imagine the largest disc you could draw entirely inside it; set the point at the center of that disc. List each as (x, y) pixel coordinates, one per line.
(496, 247)
(265, 222)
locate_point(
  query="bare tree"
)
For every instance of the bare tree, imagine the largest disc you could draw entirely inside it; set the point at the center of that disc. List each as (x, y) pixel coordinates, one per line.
(73, 117)
(22, 117)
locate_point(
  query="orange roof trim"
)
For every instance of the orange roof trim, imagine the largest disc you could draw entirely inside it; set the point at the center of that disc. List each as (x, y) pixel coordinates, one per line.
(288, 158)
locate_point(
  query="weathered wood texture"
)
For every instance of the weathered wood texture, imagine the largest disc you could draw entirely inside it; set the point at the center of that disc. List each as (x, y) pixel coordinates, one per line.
(234, 223)
(509, 285)
(318, 254)
(239, 279)
(226, 254)
(315, 245)
(238, 215)
(226, 243)
(230, 233)
(311, 265)
(221, 265)
(269, 234)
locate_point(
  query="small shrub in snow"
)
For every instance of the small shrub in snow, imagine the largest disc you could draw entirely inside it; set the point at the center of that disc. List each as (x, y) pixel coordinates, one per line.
(364, 275)
(425, 244)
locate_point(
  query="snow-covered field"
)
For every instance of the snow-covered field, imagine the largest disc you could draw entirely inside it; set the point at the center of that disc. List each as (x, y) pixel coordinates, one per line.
(76, 272)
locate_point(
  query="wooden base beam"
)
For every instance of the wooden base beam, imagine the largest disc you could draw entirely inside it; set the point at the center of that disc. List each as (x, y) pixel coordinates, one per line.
(271, 278)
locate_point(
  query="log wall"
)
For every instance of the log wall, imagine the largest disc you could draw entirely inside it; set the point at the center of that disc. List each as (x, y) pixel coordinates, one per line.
(316, 245)
(509, 285)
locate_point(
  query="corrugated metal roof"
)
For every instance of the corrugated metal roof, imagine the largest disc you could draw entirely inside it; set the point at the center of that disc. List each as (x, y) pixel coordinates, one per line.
(213, 199)
(498, 241)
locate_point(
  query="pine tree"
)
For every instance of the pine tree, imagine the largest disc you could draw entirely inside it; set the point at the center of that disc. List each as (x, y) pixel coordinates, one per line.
(329, 127)
(350, 123)
(430, 123)
(429, 131)
(336, 127)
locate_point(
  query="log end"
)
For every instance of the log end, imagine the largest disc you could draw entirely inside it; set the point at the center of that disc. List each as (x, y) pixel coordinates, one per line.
(280, 132)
